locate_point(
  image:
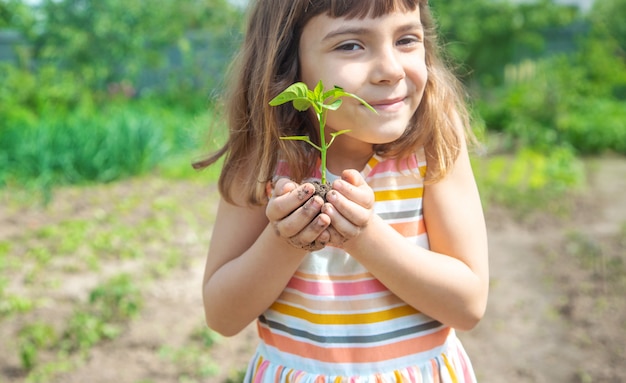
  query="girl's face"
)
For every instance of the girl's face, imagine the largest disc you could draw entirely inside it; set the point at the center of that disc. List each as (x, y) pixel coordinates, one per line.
(381, 60)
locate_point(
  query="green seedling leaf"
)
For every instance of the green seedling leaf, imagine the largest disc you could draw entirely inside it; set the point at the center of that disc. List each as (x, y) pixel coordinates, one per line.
(302, 138)
(301, 105)
(334, 106)
(318, 92)
(296, 138)
(340, 132)
(297, 91)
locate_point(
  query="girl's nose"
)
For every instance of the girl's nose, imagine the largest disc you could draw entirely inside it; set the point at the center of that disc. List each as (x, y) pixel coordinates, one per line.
(387, 67)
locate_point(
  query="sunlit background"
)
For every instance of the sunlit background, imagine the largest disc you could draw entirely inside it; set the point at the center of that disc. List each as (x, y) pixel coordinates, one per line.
(104, 226)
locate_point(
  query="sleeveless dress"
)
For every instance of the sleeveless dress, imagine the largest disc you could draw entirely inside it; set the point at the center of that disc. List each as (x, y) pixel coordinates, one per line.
(336, 323)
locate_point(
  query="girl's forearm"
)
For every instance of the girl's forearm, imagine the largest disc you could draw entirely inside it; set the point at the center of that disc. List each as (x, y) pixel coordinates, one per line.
(440, 286)
(242, 289)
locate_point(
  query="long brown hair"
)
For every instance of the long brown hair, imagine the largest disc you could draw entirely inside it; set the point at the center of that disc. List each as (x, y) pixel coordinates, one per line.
(268, 63)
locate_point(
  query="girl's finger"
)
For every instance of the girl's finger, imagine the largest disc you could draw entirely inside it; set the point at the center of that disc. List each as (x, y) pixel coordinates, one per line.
(342, 225)
(355, 189)
(287, 197)
(350, 210)
(335, 238)
(300, 219)
(314, 236)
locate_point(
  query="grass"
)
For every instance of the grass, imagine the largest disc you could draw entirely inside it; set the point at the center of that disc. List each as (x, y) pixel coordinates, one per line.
(100, 146)
(529, 181)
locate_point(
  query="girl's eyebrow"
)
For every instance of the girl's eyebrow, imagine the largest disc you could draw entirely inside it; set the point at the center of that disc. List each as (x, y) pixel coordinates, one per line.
(349, 30)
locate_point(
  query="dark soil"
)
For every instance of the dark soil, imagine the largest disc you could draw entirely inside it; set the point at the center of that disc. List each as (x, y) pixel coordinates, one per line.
(321, 189)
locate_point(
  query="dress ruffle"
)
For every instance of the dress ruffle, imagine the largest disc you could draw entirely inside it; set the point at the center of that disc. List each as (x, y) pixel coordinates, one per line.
(451, 366)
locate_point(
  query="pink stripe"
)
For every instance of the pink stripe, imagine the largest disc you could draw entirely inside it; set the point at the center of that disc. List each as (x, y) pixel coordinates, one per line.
(464, 367)
(391, 166)
(334, 289)
(258, 378)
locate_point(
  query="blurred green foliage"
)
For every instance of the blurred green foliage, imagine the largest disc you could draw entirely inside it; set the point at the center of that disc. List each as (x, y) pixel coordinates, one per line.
(543, 74)
(101, 88)
(108, 48)
(89, 144)
(486, 35)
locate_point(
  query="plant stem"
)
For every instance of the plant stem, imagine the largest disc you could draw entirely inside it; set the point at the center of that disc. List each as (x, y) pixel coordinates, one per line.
(322, 121)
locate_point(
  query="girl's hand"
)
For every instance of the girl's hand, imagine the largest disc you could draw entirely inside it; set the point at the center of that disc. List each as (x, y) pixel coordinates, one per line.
(294, 213)
(350, 207)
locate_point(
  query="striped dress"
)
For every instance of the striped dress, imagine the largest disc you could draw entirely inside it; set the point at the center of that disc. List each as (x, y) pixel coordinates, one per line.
(335, 322)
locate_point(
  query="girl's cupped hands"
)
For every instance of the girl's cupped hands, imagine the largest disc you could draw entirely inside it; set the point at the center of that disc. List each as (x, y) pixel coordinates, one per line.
(306, 222)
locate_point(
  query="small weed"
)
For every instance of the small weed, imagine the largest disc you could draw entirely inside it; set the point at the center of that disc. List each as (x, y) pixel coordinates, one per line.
(193, 362)
(45, 372)
(40, 254)
(31, 339)
(170, 260)
(193, 359)
(110, 305)
(14, 304)
(85, 330)
(205, 336)
(236, 376)
(118, 299)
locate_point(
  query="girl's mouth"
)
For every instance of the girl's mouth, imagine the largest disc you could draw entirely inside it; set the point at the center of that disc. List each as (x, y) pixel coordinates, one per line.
(388, 105)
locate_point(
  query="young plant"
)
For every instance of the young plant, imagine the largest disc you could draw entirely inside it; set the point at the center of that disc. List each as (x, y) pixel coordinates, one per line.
(302, 98)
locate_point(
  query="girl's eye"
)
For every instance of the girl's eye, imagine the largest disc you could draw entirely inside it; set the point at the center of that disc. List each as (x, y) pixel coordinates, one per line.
(349, 47)
(409, 40)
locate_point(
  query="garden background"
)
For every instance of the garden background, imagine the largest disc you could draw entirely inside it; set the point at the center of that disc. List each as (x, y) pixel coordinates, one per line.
(104, 225)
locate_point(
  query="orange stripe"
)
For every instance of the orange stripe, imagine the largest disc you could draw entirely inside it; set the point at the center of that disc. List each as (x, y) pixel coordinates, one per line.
(409, 229)
(356, 354)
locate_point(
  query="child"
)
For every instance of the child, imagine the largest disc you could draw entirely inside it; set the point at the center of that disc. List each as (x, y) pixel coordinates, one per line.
(369, 285)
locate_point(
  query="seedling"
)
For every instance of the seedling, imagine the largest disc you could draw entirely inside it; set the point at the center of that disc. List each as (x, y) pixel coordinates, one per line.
(302, 98)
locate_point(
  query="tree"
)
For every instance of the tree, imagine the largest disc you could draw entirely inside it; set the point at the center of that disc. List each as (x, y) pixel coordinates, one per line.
(112, 40)
(485, 35)
(14, 14)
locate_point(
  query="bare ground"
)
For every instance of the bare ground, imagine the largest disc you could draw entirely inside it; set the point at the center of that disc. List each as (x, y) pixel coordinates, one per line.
(556, 312)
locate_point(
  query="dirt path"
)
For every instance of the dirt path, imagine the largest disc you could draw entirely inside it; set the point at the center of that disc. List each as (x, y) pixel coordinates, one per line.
(554, 316)
(556, 311)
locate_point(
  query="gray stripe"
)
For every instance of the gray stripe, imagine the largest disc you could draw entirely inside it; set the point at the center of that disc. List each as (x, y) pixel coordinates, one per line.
(401, 214)
(363, 339)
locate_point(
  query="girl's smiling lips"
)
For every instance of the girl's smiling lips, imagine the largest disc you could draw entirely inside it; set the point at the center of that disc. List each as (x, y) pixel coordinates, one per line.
(388, 105)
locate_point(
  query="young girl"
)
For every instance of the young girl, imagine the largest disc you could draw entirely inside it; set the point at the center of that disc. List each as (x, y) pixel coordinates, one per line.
(369, 285)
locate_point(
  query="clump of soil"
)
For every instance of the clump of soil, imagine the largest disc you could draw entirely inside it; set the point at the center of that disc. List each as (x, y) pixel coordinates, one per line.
(321, 189)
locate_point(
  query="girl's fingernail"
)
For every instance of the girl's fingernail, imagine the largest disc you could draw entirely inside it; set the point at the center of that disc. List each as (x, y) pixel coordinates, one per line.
(314, 203)
(332, 195)
(327, 209)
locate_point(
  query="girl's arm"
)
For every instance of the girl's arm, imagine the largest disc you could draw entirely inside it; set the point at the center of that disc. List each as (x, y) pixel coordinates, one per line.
(450, 281)
(250, 258)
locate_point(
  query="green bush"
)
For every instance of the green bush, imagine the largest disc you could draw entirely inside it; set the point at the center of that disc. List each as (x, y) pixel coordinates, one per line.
(95, 145)
(529, 180)
(597, 126)
(558, 101)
